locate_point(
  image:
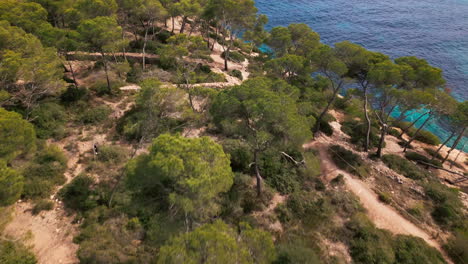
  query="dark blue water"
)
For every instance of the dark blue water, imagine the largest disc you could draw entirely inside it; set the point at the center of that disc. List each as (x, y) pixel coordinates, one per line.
(436, 30)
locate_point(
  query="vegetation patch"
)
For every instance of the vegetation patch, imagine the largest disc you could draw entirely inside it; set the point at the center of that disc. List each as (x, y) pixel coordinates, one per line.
(404, 167)
(349, 161)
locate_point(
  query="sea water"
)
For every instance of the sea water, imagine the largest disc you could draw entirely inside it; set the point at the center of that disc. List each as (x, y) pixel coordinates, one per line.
(436, 30)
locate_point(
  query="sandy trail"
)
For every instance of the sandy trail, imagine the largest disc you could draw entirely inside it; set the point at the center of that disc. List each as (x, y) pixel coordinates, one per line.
(382, 215)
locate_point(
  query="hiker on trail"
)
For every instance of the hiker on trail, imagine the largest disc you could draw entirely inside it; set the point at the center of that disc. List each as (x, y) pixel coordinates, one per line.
(95, 148)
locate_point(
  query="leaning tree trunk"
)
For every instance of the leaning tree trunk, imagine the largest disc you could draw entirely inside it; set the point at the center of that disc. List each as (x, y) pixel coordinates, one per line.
(383, 132)
(107, 73)
(458, 155)
(144, 48)
(454, 145)
(182, 26)
(369, 125)
(442, 145)
(73, 73)
(403, 131)
(325, 111)
(257, 174)
(416, 133)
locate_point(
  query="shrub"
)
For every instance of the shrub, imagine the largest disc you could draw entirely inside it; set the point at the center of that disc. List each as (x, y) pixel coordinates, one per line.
(42, 205)
(234, 56)
(77, 194)
(358, 132)
(347, 160)
(112, 154)
(369, 244)
(95, 115)
(73, 94)
(239, 153)
(433, 153)
(385, 197)
(308, 208)
(404, 167)
(414, 156)
(279, 173)
(410, 249)
(425, 137)
(457, 246)
(294, 248)
(237, 74)
(394, 132)
(338, 180)
(49, 120)
(448, 210)
(326, 128)
(15, 253)
(44, 172)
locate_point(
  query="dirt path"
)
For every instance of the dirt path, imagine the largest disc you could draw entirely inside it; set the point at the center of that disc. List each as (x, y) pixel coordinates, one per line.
(50, 233)
(382, 215)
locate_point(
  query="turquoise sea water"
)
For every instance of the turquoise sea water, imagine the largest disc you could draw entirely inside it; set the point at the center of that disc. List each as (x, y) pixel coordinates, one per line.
(436, 30)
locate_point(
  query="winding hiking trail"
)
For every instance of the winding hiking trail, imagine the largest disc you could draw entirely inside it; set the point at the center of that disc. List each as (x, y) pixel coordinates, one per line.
(382, 215)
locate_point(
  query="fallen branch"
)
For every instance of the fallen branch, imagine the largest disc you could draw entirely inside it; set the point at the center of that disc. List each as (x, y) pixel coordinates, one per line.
(297, 163)
(440, 168)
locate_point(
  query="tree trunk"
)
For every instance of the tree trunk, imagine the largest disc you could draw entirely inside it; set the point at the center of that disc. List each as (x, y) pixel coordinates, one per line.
(257, 174)
(454, 145)
(330, 102)
(458, 155)
(182, 26)
(443, 144)
(107, 74)
(73, 73)
(144, 48)
(411, 125)
(369, 125)
(416, 133)
(383, 132)
(226, 57)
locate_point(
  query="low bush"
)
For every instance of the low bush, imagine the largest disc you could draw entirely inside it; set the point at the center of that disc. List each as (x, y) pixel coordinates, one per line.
(358, 132)
(457, 246)
(433, 153)
(338, 180)
(73, 94)
(404, 167)
(308, 208)
(42, 205)
(15, 253)
(279, 173)
(49, 119)
(425, 137)
(448, 208)
(367, 243)
(237, 74)
(384, 197)
(414, 156)
(326, 128)
(95, 115)
(394, 132)
(347, 160)
(44, 172)
(240, 154)
(410, 249)
(234, 56)
(112, 154)
(295, 247)
(77, 195)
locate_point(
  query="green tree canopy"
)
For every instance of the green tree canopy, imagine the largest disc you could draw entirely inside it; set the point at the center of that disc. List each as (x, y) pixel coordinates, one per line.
(11, 184)
(219, 243)
(17, 135)
(192, 172)
(264, 114)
